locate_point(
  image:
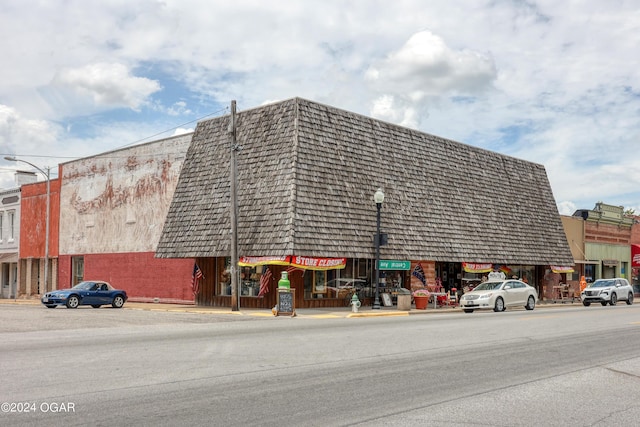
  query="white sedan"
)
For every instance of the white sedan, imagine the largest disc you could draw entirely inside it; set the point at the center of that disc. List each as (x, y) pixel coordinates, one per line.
(498, 295)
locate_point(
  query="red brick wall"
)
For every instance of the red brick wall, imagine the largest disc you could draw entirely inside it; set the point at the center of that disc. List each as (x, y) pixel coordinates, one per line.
(33, 209)
(429, 268)
(606, 233)
(140, 274)
(635, 231)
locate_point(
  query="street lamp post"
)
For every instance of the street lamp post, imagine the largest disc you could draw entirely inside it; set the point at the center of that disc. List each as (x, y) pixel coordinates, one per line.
(378, 197)
(46, 237)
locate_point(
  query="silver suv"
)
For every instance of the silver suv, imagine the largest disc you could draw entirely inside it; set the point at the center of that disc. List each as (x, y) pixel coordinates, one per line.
(607, 291)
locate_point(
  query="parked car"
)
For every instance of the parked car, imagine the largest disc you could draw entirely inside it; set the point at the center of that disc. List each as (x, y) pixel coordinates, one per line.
(93, 293)
(498, 295)
(607, 291)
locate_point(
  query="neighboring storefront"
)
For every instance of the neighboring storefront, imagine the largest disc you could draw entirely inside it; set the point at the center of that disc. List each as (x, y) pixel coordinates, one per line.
(9, 241)
(305, 181)
(111, 210)
(635, 268)
(607, 239)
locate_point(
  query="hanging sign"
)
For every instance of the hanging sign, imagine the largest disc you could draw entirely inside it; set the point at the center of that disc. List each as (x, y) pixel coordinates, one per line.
(302, 262)
(311, 263)
(561, 269)
(252, 261)
(635, 256)
(471, 267)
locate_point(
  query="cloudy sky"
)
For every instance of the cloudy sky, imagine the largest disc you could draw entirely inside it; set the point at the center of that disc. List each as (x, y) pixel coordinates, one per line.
(552, 82)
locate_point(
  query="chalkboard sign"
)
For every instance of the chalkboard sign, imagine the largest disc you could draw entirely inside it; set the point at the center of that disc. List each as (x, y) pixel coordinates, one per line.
(286, 302)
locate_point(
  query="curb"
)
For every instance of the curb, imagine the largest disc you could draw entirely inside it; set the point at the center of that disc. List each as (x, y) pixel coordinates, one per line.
(319, 313)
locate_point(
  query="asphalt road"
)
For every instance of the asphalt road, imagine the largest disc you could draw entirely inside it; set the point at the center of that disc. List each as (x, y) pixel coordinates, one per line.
(562, 366)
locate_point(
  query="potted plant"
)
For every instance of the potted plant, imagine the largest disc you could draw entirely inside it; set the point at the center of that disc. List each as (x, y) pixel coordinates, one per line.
(421, 298)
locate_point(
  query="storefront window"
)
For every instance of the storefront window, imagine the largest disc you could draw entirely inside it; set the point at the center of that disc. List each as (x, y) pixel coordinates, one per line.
(590, 272)
(316, 283)
(223, 276)
(250, 280)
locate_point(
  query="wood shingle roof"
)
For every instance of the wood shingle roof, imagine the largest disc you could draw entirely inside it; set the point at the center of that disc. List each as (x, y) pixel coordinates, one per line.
(306, 177)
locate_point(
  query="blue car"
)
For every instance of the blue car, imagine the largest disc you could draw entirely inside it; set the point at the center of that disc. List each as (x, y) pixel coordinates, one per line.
(93, 293)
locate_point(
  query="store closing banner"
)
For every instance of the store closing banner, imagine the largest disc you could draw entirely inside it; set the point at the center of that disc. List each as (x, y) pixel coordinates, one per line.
(471, 267)
(302, 262)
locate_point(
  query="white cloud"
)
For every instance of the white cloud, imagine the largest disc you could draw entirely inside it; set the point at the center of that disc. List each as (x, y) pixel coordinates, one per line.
(106, 85)
(182, 131)
(423, 70)
(547, 81)
(426, 66)
(566, 208)
(18, 134)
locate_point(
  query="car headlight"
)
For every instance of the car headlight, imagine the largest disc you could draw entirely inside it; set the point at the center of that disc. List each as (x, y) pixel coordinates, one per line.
(485, 296)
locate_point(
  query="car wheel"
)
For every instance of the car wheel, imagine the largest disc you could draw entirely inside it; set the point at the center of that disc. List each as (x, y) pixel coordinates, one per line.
(586, 303)
(604, 303)
(630, 298)
(117, 302)
(614, 299)
(51, 306)
(468, 310)
(499, 306)
(73, 301)
(95, 305)
(531, 303)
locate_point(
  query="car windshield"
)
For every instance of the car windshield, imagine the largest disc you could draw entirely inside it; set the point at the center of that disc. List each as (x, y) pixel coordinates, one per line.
(602, 283)
(488, 286)
(84, 286)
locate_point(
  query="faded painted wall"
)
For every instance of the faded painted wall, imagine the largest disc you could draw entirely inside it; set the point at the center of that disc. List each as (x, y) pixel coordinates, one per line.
(116, 202)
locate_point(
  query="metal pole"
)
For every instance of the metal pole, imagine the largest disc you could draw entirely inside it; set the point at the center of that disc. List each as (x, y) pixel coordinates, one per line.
(235, 283)
(376, 302)
(46, 239)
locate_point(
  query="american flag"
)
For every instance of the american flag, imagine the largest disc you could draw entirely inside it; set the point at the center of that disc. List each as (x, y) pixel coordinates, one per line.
(265, 279)
(195, 279)
(418, 272)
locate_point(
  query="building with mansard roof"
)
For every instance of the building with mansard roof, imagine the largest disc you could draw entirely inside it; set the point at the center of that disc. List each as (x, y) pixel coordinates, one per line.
(306, 176)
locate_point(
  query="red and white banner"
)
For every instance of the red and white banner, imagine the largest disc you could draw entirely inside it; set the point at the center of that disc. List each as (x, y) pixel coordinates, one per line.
(252, 261)
(302, 262)
(635, 256)
(561, 269)
(470, 267)
(311, 263)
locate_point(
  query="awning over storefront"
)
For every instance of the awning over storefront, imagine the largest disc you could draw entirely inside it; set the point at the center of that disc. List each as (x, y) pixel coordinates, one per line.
(635, 256)
(302, 262)
(471, 267)
(561, 269)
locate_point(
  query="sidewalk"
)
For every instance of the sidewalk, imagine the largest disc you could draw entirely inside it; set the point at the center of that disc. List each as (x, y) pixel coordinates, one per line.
(325, 313)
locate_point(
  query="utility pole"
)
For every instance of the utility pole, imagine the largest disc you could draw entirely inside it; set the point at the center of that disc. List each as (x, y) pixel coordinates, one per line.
(235, 283)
